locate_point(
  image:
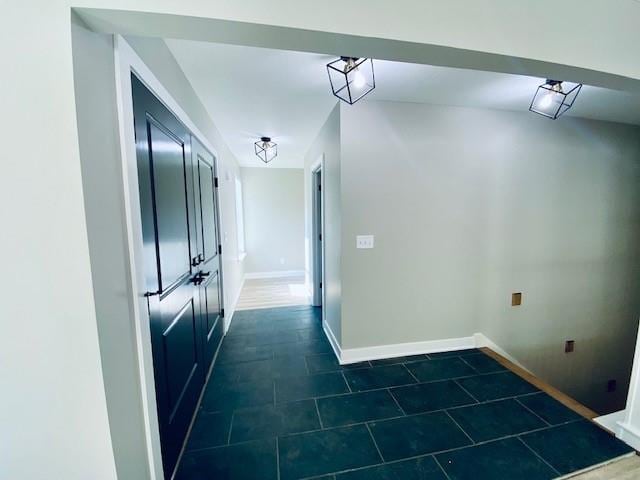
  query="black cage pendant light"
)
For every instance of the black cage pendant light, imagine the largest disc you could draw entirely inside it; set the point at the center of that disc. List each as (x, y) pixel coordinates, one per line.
(351, 78)
(554, 97)
(266, 150)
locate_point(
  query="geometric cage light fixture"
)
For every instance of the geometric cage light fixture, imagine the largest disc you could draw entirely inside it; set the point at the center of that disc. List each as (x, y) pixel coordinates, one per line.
(554, 97)
(265, 149)
(351, 78)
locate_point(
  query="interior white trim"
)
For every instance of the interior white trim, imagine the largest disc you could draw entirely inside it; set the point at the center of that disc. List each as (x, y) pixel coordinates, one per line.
(228, 318)
(629, 435)
(274, 274)
(481, 340)
(332, 339)
(354, 355)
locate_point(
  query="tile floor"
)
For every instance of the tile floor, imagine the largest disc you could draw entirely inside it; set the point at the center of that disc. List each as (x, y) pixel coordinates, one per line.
(278, 406)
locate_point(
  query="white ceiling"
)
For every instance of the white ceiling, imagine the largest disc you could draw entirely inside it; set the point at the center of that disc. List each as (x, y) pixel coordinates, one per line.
(253, 92)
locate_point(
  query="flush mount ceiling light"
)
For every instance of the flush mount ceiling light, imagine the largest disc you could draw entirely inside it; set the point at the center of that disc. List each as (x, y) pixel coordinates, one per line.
(351, 78)
(266, 150)
(554, 97)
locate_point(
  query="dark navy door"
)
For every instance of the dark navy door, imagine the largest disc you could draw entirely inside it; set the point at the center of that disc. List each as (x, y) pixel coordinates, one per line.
(172, 266)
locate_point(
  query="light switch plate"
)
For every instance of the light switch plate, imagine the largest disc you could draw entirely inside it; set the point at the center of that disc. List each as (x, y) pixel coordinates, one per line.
(364, 241)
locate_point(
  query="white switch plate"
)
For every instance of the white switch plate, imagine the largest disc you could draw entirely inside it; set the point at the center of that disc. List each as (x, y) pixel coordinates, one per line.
(364, 241)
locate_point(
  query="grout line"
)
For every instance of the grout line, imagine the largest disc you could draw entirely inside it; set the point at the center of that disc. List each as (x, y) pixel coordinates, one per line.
(441, 467)
(469, 365)
(233, 414)
(539, 457)
(315, 401)
(410, 373)
(534, 413)
(345, 381)
(396, 401)
(460, 427)
(306, 365)
(465, 390)
(277, 459)
(375, 444)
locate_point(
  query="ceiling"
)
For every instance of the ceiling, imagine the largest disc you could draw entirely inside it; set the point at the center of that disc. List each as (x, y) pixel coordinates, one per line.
(252, 92)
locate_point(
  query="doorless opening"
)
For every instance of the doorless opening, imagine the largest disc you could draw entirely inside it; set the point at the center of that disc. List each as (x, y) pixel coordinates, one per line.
(318, 237)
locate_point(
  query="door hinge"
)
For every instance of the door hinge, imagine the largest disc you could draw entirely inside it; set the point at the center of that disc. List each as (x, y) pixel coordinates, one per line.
(320, 236)
(222, 312)
(319, 188)
(320, 284)
(220, 249)
(215, 182)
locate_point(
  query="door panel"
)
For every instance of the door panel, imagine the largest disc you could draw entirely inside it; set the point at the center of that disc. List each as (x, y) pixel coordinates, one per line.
(169, 199)
(165, 176)
(209, 246)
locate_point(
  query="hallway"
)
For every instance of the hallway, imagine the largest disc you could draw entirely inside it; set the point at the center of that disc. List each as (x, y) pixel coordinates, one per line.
(273, 292)
(278, 406)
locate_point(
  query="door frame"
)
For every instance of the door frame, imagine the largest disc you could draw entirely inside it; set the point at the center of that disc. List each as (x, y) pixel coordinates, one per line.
(317, 264)
(126, 62)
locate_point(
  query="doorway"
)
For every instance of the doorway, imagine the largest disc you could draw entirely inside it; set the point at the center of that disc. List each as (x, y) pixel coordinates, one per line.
(317, 228)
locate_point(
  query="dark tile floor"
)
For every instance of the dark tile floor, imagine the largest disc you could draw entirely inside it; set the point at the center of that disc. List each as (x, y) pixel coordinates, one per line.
(278, 406)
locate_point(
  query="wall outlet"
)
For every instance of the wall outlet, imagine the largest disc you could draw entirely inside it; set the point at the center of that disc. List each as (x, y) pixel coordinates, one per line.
(364, 241)
(516, 299)
(569, 346)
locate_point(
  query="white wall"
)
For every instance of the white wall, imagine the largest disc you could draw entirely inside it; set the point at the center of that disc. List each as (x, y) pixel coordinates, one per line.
(49, 345)
(470, 205)
(273, 201)
(327, 146)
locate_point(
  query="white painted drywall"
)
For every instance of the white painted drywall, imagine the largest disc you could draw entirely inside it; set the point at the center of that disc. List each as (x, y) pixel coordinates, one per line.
(470, 205)
(327, 144)
(273, 200)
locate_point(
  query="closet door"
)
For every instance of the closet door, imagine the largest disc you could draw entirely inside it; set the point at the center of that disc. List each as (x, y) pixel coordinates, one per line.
(209, 248)
(168, 210)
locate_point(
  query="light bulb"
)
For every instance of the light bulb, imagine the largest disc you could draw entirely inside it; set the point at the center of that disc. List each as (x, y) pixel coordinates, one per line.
(358, 79)
(546, 100)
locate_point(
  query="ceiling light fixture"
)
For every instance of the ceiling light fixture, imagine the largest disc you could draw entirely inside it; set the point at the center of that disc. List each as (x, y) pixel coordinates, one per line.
(351, 78)
(266, 150)
(552, 98)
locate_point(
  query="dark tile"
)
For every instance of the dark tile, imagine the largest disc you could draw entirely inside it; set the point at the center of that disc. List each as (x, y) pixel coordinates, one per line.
(234, 462)
(327, 362)
(496, 385)
(548, 408)
(483, 363)
(240, 395)
(421, 468)
(455, 353)
(209, 430)
(417, 435)
(575, 446)
(258, 339)
(357, 407)
(393, 361)
(268, 369)
(502, 418)
(425, 397)
(238, 354)
(502, 459)
(302, 348)
(270, 421)
(440, 369)
(378, 377)
(310, 334)
(326, 451)
(309, 386)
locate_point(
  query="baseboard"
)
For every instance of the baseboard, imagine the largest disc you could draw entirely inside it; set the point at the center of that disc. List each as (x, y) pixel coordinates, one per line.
(332, 340)
(354, 355)
(274, 274)
(629, 435)
(230, 312)
(481, 340)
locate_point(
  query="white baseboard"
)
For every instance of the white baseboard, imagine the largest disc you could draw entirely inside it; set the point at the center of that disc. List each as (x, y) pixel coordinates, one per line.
(354, 355)
(629, 435)
(232, 310)
(332, 340)
(481, 340)
(274, 274)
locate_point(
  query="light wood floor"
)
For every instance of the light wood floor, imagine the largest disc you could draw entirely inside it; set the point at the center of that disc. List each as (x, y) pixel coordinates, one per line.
(627, 468)
(273, 292)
